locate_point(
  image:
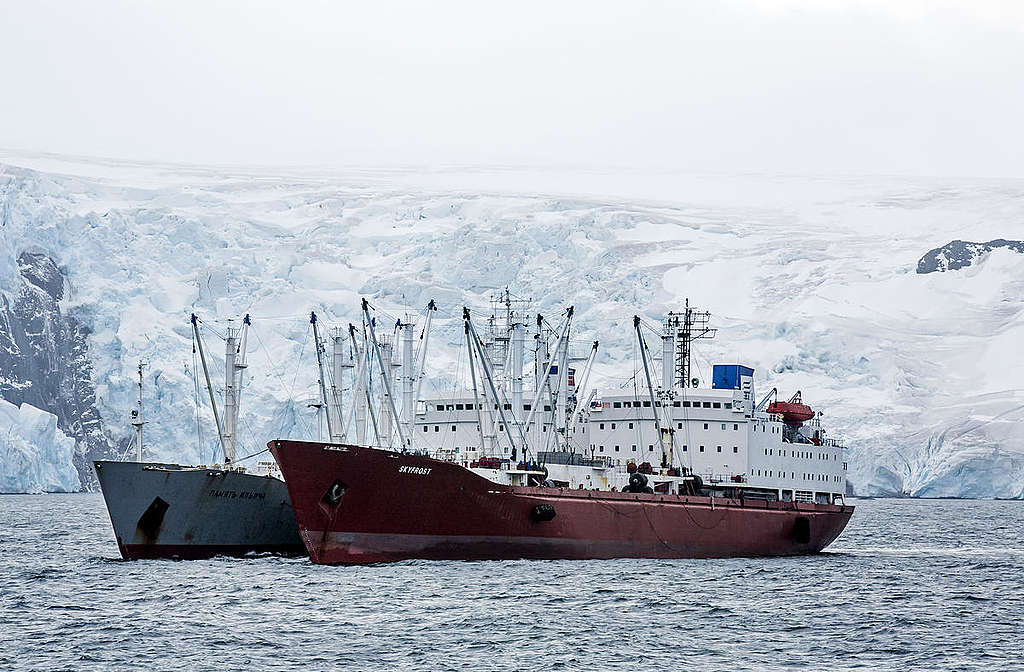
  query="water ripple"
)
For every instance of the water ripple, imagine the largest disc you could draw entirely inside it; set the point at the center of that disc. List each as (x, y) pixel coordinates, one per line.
(903, 588)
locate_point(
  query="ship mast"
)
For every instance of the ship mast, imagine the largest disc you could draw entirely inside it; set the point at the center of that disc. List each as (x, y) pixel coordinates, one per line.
(329, 404)
(357, 392)
(367, 396)
(233, 370)
(362, 382)
(405, 329)
(518, 348)
(234, 367)
(137, 420)
(384, 375)
(339, 362)
(425, 335)
(499, 399)
(580, 391)
(484, 446)
(209, 385)
(688, 326)
(543, 375)
(650, 389)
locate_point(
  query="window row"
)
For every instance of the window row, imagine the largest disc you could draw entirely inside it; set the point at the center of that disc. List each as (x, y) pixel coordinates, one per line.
(675, 404)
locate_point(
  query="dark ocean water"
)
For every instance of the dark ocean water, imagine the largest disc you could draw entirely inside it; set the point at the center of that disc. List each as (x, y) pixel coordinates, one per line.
(926, 585)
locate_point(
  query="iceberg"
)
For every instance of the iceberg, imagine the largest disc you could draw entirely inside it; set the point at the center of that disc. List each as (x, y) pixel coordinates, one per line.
(35, 456)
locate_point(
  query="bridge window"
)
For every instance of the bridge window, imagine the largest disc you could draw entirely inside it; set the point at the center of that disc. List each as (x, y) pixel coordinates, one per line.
(616, 449)
(735, 426)
(705, 425)
(716, 405)
(458, 407)
(707, 404)
(719, 449)
(526, 407)
(728, 404)
(684, 447)
(723, 425)
(680, 425)
(601, 426)
(647, 404)
(631, 425)
(600, 449)
(453, 428)
(650, 448)
(675, 404)
(613, 425)
(437, 428)
(617, 404)
(634, 447)
(425, 428)
(735, 449)
(702, 449)
(686, 404)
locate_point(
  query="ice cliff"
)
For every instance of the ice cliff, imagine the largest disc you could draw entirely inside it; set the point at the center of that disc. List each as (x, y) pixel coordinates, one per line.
(811, 280)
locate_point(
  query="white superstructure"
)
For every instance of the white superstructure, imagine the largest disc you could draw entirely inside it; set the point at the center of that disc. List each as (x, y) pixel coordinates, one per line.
(681, 436)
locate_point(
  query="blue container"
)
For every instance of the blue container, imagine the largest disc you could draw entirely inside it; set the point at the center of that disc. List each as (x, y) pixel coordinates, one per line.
(727, 376)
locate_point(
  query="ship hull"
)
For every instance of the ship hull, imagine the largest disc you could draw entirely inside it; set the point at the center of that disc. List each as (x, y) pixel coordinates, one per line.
(358, 505)
(172, 511)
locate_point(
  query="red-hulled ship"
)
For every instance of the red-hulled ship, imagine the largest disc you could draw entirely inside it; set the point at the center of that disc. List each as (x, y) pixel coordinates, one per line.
(357, 504)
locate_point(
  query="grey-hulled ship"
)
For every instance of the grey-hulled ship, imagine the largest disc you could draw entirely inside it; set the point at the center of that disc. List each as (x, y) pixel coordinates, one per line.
(161, 510)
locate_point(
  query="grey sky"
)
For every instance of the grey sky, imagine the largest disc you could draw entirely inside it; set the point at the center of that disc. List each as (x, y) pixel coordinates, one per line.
(792, 85)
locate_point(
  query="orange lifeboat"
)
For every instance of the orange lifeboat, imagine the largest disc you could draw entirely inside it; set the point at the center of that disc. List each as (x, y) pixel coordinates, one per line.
(792, 412)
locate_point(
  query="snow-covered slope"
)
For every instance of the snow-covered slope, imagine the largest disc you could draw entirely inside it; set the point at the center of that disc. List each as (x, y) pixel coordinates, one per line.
(35, 456)
(811, 280)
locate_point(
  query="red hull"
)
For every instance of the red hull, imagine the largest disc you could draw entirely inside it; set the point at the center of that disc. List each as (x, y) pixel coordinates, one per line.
(397, 507)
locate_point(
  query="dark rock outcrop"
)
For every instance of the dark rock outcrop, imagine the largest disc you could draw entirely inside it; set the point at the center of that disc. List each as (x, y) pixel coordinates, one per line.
(44, 359)
(959, 254)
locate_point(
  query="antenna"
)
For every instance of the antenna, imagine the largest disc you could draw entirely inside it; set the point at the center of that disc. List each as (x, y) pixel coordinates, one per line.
(688, 326)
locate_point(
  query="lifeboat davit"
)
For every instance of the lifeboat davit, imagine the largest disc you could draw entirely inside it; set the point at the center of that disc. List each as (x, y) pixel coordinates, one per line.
(793, 413)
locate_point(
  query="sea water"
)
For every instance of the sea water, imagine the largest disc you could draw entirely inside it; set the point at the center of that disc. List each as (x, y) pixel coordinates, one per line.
(911, 584)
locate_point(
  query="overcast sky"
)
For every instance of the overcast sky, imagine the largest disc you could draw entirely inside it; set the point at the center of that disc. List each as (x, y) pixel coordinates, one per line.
(897, 86)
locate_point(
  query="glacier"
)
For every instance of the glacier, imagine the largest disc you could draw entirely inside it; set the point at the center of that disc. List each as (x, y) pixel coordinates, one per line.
(35, 456)
(811, 280)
